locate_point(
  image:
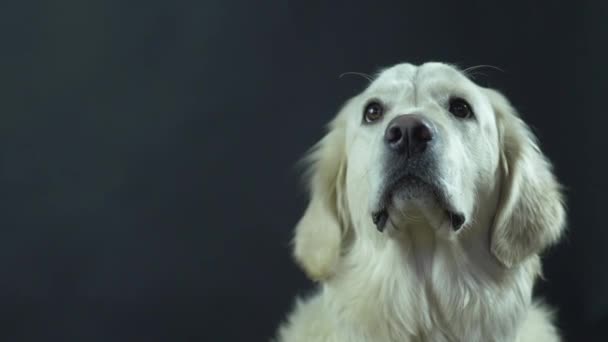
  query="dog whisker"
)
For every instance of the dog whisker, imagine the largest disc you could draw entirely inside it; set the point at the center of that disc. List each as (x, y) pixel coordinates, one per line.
(470, 71)
(366, 76)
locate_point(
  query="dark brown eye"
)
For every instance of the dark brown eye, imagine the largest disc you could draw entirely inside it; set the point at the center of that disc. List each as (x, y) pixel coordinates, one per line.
(460, 108)
(373, 112)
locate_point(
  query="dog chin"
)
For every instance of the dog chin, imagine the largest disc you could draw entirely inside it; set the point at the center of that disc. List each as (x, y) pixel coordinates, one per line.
(416, 203)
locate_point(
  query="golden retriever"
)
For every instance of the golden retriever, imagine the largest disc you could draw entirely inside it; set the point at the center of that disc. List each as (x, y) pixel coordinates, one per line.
(430, 203)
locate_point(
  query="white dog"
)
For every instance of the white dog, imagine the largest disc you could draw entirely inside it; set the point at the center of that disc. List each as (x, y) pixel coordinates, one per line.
(430, 202)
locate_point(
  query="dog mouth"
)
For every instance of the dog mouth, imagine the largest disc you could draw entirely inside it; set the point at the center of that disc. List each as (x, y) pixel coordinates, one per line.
(414, 186)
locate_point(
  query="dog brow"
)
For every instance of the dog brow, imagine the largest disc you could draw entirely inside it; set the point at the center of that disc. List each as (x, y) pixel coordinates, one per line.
(414, 87)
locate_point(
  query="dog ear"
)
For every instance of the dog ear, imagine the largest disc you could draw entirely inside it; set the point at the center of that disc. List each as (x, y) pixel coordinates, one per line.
(320, 231)
(530, 214)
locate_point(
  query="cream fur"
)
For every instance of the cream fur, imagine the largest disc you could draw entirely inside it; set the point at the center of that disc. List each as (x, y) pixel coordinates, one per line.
(420, 280)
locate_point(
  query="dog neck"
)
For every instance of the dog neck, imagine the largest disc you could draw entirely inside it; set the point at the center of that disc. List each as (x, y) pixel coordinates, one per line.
(413, 285)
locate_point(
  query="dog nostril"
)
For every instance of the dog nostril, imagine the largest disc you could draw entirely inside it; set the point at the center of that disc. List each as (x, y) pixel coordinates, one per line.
(393, 134)
(422, 133)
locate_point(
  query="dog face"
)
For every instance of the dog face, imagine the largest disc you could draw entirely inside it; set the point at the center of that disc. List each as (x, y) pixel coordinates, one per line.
(425, 146)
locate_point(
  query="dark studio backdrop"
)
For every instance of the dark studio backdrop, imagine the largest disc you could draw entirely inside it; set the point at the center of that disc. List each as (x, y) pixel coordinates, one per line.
(147, 148)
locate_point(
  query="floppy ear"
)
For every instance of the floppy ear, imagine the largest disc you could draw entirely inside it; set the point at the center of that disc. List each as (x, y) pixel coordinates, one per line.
(530, 214)
(319, 233)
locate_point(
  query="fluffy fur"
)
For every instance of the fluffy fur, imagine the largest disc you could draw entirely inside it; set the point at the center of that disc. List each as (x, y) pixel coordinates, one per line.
(421, 280)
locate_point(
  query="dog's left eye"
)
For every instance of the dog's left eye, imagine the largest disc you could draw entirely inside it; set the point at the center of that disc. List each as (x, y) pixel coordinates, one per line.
(460, 108)
(373, 112)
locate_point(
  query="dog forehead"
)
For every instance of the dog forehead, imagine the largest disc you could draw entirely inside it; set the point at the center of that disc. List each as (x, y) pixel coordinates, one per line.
(393, 78)
(407, 76)
(399, 72)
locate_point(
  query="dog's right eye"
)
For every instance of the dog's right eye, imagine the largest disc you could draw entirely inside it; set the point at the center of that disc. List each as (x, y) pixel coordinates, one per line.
(373, 112)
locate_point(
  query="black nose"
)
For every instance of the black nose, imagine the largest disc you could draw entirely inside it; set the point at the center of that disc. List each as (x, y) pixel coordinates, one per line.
(408, 134)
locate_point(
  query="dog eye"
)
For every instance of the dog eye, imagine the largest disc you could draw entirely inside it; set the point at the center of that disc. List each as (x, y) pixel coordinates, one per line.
(373, 112)
(460, 108)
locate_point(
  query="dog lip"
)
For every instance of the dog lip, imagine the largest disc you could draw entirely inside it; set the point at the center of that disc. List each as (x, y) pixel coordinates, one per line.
(456, 220)
(380, 217)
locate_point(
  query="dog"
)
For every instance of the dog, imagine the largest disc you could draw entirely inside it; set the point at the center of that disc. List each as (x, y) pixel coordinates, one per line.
(430, 202)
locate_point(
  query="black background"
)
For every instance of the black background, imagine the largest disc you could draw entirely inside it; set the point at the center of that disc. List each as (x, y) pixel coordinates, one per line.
(147, 149)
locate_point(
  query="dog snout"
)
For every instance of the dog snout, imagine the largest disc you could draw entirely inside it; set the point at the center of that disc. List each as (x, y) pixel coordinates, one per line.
(408, 134)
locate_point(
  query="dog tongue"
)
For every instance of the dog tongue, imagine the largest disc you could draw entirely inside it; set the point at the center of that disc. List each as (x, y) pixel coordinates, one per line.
(380, 218)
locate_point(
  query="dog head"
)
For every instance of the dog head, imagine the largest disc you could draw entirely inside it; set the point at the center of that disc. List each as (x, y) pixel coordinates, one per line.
(424, 145)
